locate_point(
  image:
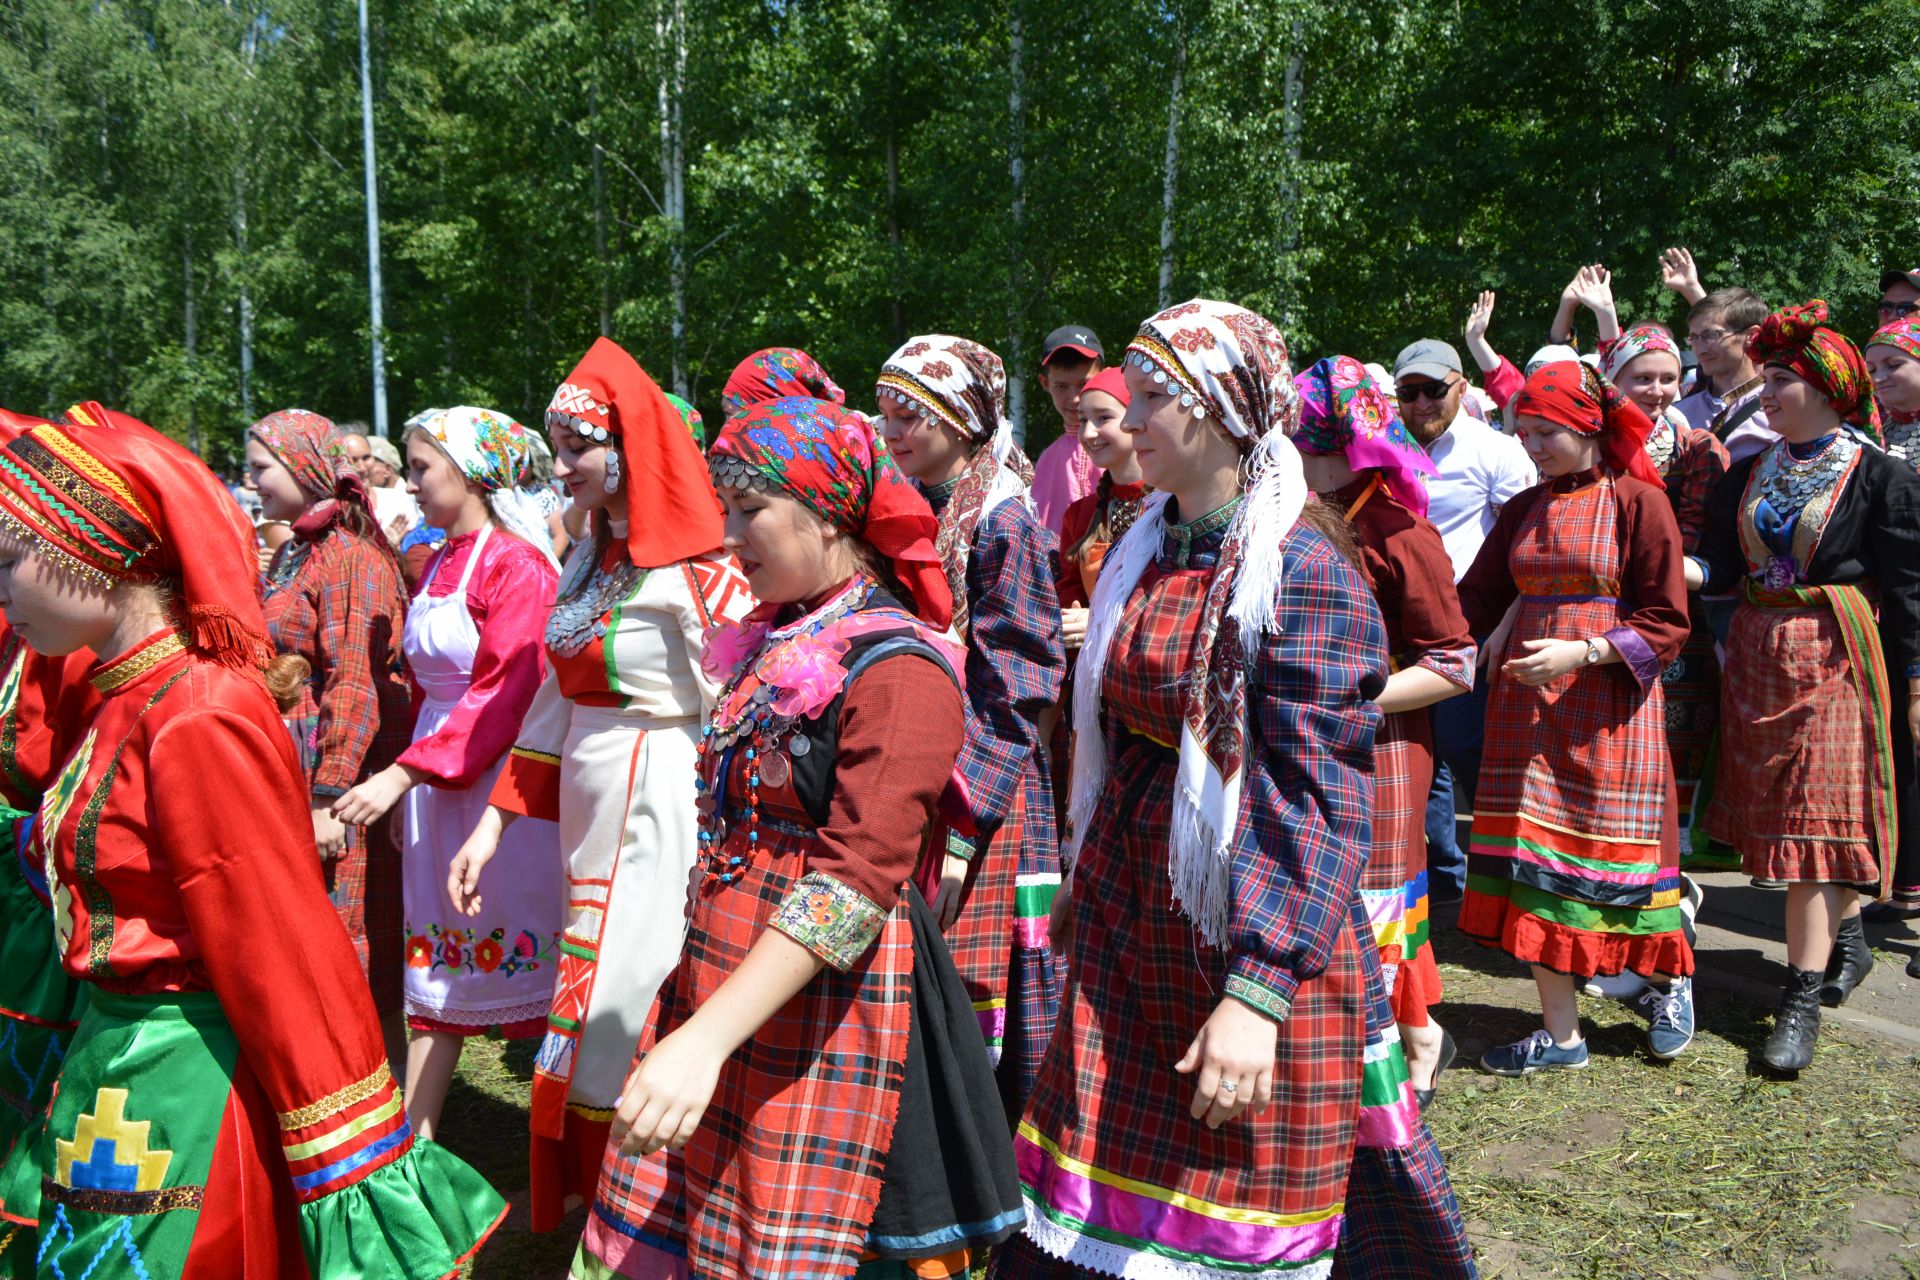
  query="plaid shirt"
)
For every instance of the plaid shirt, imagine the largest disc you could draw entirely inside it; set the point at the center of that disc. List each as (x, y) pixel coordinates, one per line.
(1015, 663)
(1698, 463)
(340, 604)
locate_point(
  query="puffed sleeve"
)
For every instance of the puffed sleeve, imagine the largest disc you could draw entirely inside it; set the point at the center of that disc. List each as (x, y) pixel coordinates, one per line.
(512, 600)
(1487, 587)
(1504, 383)
(1016, 659)
(371, 1199)
(888, 775)
(1653, 583)
(1305, 828)
(1068, 584)
(1701, 464)
(360, 610)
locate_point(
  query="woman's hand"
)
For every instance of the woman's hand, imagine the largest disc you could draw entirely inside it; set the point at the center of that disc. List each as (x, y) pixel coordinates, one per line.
(1234, 1055)
(1073, 627)
(668, 1093)
(1593, 289)
(1679, 273)
(463, 874)
(329, 833)
(1478, 317)
(371, 799)
(1060, 917)
(1913, 715)
(1547, 661)
(953, 886)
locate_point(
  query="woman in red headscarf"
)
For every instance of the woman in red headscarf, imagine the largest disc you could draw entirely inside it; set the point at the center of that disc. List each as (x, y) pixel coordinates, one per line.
(225, 1109)
(1574, 865)
(608, 748)
(816, 1028)
(1820, 533)
(336, 598)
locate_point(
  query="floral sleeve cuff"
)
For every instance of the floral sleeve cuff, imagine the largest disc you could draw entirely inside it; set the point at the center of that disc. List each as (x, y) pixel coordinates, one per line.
(1259, 995)
(833, 921)
(1452, 665)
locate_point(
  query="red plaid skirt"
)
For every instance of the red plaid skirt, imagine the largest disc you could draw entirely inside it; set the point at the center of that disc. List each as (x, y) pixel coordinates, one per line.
(1394, 884)
(1796, 754)
(364, 883)
(782, 1177)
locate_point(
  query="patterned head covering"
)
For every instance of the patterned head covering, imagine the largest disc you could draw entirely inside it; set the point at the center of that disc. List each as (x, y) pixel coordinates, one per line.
(494, 452)
(673, 514)
(1902, 334)
(1633, 343)
(112, 500)
(830, 459)
(1796, 338)
(309, 447)
(689, 418)
(1228, 365)
(1573, 394)
(964, 386)
(1343, 411)
(775, 374)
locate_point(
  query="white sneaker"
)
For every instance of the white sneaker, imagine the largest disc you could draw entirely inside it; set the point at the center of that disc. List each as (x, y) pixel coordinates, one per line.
(1626, 986)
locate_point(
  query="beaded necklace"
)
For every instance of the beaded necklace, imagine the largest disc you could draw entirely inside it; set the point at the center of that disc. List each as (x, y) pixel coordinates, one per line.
(749, 723)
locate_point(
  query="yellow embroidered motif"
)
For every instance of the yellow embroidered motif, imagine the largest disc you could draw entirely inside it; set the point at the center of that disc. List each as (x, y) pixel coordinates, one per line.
(53, 811)
(137, 664)
(109, 1152)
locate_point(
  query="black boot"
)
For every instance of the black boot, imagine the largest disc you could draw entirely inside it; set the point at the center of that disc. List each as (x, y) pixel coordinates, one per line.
(1848, 966)
(1796, 1023)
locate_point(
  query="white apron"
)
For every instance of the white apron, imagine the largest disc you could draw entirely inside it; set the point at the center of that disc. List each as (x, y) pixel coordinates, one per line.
(497, 968)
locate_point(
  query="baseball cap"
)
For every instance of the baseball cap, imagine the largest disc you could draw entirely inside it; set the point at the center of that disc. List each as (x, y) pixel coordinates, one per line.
(1071, 337)
(1427, 358)
(1892, 278)
(385, 450)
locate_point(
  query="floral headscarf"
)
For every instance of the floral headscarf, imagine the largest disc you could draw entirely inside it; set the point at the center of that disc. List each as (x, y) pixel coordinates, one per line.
(831, 460)
(963, 385)
(1573, 394)
(493, 451)
(1343, 411)
(775, 374)
(689, 418)
(1796, 338)
(1902, 335)
(309, 447)
(1228, 365)
(1636, 341)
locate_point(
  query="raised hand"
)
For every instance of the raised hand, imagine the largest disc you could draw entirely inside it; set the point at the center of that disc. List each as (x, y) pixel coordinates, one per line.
(1679, 273)
(1479, 315)
(1592, 288)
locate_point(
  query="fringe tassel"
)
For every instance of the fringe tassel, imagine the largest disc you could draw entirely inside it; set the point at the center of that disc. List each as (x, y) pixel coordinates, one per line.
(226, 637)
(1276, 495)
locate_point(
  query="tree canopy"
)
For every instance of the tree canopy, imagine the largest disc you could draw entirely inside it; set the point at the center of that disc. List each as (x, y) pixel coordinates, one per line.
(182, 222)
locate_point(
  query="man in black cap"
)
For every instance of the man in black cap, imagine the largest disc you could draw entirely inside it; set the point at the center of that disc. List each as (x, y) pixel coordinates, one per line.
(1899, 295)
(1063, 472)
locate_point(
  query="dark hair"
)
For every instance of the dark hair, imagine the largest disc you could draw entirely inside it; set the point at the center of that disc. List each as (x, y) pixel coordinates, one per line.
(1067, 360)
(1734, 307)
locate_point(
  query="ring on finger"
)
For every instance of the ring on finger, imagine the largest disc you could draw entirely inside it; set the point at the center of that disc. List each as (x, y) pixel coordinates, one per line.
(1229, 1086)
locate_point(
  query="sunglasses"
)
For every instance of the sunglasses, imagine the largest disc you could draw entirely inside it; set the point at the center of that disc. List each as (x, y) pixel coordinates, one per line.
(1894, 310)
(1434, 391)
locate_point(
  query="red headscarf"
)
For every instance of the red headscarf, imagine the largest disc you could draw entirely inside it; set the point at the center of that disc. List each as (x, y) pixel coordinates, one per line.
(671, 509)
(831, 460)
(1574, 395)
(774, 374)
(309, 447)
(1793, 338)
(1110, 381)
(113, 500)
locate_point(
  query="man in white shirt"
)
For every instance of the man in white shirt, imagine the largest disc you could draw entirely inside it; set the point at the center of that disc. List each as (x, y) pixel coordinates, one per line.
(1719, 326)
(1479, 468)
(378, 463)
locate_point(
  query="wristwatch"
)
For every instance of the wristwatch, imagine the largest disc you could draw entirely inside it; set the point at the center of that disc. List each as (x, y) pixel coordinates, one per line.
(1593, 652)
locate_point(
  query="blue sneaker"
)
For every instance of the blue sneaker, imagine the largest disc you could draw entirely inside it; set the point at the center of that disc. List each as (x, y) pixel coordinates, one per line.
(1669, 1018)
(1537, 1052)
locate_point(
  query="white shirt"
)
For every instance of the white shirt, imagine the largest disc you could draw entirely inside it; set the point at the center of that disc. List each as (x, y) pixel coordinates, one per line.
(1479, 469)
(389, 504)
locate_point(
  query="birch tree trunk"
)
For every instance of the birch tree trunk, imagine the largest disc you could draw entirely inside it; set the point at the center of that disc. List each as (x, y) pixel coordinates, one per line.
(191, 322)
(243, 290)
(670, 28)
(1172, 170)
(599, 186)
(1016, 362)
(1293, 107)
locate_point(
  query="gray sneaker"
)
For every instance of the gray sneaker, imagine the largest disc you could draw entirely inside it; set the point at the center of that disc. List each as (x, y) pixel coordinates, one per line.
(1537, 1052)
(1669, 1018)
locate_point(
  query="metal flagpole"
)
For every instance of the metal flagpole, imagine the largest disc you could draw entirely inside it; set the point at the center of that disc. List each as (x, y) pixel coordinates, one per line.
(373, 235)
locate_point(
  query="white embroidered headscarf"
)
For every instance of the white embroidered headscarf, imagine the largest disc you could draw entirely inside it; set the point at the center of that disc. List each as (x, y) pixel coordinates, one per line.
(1228, 365)
(493, 451)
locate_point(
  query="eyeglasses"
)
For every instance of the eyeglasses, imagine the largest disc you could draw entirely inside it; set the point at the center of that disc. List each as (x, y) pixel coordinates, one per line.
(1711, 338)
(1894, 310)
(1434, 391)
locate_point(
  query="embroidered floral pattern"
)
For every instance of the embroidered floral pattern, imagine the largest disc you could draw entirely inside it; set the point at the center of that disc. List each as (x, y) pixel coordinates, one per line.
(829, 919)
(464, 950)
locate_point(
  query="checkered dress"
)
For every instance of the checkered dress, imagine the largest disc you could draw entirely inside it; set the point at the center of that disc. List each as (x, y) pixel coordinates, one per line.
(1015, 665)
(1119, 1178)
(1574, 863)
(340, 604)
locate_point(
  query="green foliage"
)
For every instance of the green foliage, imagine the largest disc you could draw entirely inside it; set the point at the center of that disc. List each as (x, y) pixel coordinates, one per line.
(847, 180)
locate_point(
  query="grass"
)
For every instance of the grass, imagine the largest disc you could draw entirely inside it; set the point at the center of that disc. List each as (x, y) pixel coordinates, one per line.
(1630, 1170)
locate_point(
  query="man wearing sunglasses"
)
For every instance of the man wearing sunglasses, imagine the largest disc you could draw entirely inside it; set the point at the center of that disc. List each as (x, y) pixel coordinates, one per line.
(1899, 296)
(1478, 469)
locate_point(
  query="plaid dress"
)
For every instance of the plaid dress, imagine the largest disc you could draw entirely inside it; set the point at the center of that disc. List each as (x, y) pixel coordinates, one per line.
(339, 602)
(1015, 665)
(1119, 1179)
(1574, 863)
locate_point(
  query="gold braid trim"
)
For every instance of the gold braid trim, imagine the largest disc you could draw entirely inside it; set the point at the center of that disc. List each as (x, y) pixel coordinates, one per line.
(334, 1103)
(59, 442)
(137, 664)
(125, 1204)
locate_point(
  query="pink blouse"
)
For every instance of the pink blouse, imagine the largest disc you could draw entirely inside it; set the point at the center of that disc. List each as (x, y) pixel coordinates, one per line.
(508, 597)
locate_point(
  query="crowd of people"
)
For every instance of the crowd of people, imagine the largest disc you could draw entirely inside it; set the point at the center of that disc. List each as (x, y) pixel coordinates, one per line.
(907, 855)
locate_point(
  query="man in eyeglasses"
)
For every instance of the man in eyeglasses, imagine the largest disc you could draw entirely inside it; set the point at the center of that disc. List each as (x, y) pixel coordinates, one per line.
(1719, 326)
(1478, 468)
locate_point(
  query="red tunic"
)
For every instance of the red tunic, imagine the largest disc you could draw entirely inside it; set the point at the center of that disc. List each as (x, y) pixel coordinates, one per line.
(1080, 565)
